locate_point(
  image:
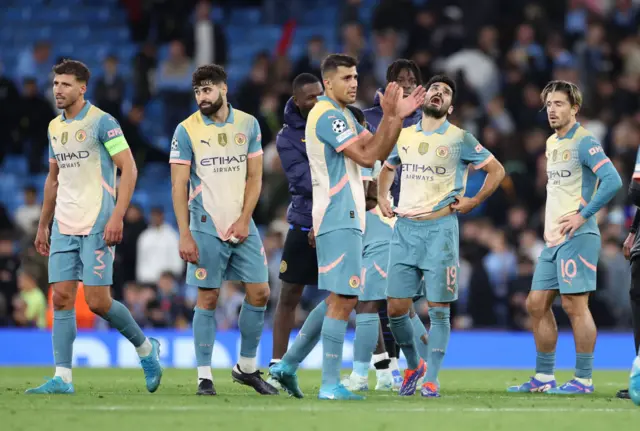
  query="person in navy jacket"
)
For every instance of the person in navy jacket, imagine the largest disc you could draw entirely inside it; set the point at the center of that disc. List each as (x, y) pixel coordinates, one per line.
(407, 74)
(299, 265)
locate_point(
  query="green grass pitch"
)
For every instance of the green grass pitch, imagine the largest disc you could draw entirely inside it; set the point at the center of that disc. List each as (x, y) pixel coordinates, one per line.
(116, 400)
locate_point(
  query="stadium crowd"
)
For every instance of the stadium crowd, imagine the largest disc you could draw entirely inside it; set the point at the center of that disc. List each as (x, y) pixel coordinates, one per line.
(501, 60)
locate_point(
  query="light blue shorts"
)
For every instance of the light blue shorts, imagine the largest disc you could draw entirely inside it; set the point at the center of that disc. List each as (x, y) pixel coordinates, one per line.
(428, 249)
(340, 261)
(80, 257)
(221, 260)
(374, 273)
(569, 267)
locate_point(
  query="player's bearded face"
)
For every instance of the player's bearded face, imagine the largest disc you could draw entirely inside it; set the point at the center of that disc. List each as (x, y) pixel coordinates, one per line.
(438, 101)
(207, 102)
(559, 110)
(66, 90)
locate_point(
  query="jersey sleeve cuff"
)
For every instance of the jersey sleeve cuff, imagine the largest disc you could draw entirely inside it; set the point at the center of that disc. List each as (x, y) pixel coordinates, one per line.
(389, 165)
(602, 163)
(255, 154)
(484, 163)
(180, 162)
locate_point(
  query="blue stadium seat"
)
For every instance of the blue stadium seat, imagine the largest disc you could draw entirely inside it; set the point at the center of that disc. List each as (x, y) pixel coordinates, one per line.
(245, 16)
(15, 14)
(15, 164)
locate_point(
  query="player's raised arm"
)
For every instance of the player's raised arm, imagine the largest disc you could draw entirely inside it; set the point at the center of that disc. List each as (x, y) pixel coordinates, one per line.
(180, 159)
(114, 141)
(366, 148)
(48, 205)
(239, 231)
(475, 154)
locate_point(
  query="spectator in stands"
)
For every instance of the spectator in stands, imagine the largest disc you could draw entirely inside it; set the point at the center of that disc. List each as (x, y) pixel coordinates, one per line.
(171, 301)
(144, 66)
(126, 259)
(350, 13)
(9, 265)
(35, 114)
(157, 250)
(174, 86)
(143, 150)
(206, 41)
(35, 302)
(135, 299)
(355, 45)
(250, 92)
(501, 267)
(28, 215)
(110, 89)
(9, 99)
(36, 63)
(386, 52)
(310, 62)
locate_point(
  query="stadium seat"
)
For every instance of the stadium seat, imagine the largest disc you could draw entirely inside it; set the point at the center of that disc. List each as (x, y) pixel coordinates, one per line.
(15, 164)
(245, 17)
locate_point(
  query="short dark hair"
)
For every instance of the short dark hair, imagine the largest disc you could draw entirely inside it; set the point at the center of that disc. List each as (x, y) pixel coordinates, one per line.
(73, 67)
(30, 189)
(333, 61)
(209, 74)
(304, 79)
(444, 79)
(569, 88)
(401, 64)
(357, 113)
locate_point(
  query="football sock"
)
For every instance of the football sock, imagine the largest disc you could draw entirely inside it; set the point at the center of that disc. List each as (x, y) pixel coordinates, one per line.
(63, 335)
(120, 318)
(204, 336)
(421, 337)
(584, 365)
(367, 325)
(333, 332)
(250, 323)
(403, 332)
(545, 363)
(438, 340)
(308, 336)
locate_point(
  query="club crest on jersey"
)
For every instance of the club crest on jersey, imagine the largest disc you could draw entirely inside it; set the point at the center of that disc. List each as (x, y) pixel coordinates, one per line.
(354, 282)
(442, 152)
(283, 266)
(81, 135)
(64, 138)
(222, 139)
(566, 155)
(423, 148)
(201, 273)
(240, 139)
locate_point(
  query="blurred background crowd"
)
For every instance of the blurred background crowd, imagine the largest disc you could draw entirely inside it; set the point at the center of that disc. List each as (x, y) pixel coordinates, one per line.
(142, 54)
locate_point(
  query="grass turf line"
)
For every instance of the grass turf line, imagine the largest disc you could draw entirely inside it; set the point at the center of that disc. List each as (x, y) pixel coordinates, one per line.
(116, 399)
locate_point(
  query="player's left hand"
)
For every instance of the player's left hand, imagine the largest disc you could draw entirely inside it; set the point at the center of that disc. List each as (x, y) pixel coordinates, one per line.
(415, 100)
(464, 205)
(569, 224)
(113, 230)
(628, 243)
(239, 230)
